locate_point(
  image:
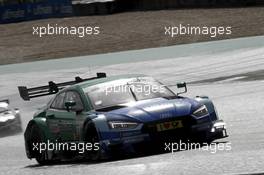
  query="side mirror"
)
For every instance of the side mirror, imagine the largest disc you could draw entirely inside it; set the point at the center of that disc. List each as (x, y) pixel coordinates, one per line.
(182, 85)
(16, 110)
(69, 105)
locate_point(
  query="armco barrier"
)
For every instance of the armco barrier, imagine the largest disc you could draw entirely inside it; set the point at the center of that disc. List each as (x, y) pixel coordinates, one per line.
(30, 11)
(95, 7)
(62, 8)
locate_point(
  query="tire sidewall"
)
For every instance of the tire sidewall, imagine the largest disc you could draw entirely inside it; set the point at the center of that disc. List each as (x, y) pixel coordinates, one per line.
(37, 137)
(91, 136)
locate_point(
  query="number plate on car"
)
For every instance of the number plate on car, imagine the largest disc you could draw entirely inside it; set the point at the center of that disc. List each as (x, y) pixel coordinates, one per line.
(169, 125)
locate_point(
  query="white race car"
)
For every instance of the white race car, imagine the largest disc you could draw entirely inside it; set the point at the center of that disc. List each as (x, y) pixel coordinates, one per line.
(10, 119)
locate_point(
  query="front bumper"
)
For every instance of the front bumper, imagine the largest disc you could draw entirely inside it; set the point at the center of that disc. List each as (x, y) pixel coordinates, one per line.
(211, 130)
(15, 123)
(128, 142)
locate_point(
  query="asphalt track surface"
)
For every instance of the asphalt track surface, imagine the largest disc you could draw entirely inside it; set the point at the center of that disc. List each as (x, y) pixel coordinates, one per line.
(230, 72)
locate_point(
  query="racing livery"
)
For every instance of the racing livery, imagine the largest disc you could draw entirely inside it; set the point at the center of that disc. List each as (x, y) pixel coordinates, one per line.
(120, 113)
(9, 118)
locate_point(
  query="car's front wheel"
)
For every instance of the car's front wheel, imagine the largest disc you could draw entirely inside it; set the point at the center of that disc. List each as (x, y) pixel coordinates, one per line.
(91, 137)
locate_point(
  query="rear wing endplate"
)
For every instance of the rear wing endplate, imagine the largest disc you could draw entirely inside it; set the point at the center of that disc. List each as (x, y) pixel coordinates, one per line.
(52, 88)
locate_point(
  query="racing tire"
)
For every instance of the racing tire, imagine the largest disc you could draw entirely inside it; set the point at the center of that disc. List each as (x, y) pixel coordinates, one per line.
(37, 137)
(91, 136)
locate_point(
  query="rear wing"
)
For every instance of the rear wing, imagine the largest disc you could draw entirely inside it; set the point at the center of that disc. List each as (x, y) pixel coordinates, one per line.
(4, 101)
(52, 88)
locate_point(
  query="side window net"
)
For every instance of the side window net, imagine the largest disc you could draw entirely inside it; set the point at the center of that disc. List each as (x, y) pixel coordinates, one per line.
(74, 96)
(58, 103)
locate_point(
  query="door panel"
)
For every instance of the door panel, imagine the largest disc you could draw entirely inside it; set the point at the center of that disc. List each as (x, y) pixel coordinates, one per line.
(62, 123)
(78, 112)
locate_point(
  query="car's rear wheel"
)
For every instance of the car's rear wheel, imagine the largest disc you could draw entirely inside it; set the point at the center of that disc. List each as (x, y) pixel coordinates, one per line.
(91, 137)
(37, 138)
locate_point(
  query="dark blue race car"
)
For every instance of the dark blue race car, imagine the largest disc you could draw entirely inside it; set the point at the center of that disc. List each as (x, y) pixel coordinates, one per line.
(116, 114)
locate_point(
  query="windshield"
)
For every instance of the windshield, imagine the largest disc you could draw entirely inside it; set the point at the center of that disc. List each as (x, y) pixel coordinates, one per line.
(147, 90)
(120, 92)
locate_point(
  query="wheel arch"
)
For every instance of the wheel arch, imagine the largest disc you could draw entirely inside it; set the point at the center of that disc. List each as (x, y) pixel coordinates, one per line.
(99, 122)
(42, 125)
(84, 128)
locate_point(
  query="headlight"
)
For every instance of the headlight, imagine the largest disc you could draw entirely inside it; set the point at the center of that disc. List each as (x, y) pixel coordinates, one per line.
(202, 111)
(7, 117)
(121, 125)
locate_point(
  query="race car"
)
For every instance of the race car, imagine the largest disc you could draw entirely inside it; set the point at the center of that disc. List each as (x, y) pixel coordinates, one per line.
(116, 114)
(9, 118)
